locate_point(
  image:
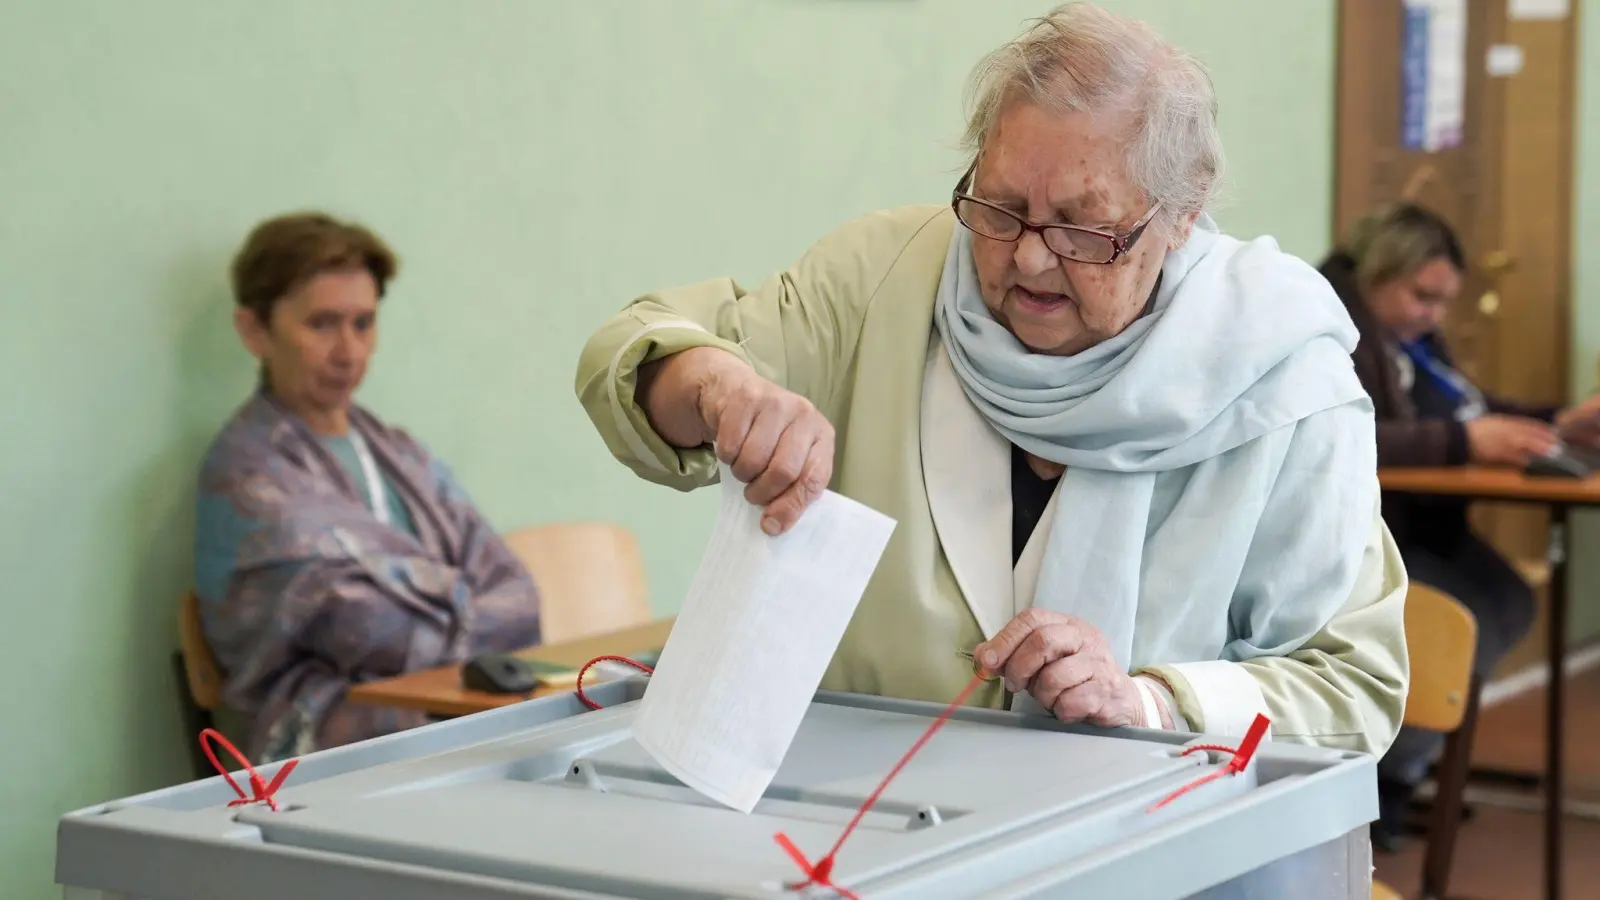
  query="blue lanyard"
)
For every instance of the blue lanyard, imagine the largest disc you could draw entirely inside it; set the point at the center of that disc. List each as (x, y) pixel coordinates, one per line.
(1447, 379)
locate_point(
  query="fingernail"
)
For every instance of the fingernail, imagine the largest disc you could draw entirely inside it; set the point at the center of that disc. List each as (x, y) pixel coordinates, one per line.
(990, 658)
(770, 526)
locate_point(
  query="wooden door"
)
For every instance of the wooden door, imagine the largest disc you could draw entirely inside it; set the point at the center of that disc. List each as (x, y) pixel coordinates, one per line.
(1506, 187)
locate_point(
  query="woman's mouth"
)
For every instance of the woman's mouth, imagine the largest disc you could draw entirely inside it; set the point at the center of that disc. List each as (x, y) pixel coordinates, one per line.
(1039, 301)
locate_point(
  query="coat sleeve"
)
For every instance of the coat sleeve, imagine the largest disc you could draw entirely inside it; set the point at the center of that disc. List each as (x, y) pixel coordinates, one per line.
(1342, 681)
(1422, 442)
(798, 328)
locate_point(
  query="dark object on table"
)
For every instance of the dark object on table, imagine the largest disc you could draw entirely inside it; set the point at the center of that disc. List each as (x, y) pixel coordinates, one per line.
(1559, 463)
(1589, 456)
(499, 673)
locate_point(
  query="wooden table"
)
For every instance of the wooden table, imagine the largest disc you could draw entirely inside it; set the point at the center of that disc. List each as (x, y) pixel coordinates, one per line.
(1560, 495)
(439, 691)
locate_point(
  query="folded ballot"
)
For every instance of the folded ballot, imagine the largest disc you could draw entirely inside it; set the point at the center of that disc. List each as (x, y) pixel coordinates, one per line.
(749, 647)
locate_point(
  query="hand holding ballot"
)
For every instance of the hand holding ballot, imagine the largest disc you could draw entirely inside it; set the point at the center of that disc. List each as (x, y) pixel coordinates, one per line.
(1066, 665)
(774, 440)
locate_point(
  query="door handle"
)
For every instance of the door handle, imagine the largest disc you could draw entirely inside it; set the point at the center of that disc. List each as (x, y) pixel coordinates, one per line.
(1489, 303)
(1498, 262)
(1495, 264)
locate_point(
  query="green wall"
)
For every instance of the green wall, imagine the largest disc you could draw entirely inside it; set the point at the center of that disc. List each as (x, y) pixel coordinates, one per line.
(536, 164)
(1586, 236)
(1584, 588)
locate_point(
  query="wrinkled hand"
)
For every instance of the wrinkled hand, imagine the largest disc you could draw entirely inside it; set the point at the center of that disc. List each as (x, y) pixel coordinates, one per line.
(774, 440)
(1580, 424)
(1065, 664)
(1508, 440)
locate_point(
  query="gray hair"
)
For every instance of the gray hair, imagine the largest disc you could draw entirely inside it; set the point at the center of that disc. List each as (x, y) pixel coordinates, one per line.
(1080, 58)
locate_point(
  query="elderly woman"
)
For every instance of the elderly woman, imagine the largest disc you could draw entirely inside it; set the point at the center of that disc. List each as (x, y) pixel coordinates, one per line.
(1131, 464)
(1397, 271)
(332, 547)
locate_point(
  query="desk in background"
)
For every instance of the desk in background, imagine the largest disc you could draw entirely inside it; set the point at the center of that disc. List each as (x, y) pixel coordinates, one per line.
(1560, 495)
(439, 691)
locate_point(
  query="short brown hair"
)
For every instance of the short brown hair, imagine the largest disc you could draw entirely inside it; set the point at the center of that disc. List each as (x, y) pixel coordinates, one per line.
(284, 252)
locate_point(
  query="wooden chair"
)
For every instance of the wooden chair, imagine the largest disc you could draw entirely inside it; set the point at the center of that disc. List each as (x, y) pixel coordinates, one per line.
(1381, 891)
(199, 679)
(590, 577)
(1441, 639)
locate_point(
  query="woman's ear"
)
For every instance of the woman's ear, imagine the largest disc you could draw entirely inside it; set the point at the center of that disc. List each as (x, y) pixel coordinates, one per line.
(1178, 233)
(252, 331)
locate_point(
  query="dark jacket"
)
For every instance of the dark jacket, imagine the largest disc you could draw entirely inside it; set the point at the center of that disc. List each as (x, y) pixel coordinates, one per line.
(1407, 437)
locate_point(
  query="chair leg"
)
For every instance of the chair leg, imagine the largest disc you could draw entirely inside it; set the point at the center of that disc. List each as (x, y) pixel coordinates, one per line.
(1453, 769)
(195, 720)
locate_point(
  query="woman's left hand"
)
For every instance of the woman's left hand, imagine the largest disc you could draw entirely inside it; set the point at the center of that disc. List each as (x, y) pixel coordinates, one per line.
(1065, 664)
(1580, 424)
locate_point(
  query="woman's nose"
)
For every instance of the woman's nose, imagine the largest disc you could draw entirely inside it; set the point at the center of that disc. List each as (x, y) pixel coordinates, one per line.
(1033, 256)
(348, 347)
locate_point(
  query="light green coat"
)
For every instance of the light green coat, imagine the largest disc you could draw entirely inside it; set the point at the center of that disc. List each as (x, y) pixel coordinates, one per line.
(850, 327)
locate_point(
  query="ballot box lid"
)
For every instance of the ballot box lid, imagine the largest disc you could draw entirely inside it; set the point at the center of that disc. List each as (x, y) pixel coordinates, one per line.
(550, 799)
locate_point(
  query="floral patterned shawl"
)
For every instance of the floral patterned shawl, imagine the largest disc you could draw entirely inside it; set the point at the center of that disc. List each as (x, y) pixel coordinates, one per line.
(303, 591)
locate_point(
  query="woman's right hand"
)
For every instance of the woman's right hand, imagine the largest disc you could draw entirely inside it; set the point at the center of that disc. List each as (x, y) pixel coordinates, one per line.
(1508, 440)
(774, 440)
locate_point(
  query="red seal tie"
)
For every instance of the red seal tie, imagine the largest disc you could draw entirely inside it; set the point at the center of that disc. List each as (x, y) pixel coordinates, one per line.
(261, 790)
(1235, 765)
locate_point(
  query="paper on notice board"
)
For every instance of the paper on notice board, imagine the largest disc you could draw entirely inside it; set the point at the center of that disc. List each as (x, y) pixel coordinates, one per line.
(1538, 9)
(1433, 59)
(762, 620)
(1504, 60)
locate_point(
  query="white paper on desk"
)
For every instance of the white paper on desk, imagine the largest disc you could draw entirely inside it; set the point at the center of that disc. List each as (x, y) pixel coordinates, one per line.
(757, 630)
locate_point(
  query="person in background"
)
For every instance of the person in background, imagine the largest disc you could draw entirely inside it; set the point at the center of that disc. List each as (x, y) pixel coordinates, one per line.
(1131, 466)
(1397, 271)
(332, 547)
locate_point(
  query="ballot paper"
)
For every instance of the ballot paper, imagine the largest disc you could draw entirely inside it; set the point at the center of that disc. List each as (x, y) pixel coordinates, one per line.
(749, 647)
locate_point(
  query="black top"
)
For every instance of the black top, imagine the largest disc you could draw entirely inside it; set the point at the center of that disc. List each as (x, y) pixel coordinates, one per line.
(1436, 522)
(1029, 496)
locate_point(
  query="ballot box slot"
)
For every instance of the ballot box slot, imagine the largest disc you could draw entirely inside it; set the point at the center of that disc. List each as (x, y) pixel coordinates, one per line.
(609, 777)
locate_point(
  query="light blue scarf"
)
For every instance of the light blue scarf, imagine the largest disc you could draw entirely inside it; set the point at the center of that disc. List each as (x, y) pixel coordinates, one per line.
(1186, 408)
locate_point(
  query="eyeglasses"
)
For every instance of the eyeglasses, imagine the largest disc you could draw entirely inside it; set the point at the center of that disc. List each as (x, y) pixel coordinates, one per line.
(1074, 242)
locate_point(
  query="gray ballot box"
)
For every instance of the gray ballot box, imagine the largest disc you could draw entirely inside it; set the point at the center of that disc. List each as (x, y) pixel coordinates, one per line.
(548, 799)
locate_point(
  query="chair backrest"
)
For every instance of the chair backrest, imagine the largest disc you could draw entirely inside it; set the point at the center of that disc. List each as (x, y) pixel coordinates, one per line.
(590, 577)
(1441, 638)
(199, 665)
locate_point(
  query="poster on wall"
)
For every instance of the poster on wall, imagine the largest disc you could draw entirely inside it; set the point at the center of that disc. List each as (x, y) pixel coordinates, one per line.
(1433, 77)
(1538, 9)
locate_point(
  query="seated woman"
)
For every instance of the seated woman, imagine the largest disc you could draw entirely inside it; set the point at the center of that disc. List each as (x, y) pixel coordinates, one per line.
(1131, 464)
(1398, 270)
(331, 547)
